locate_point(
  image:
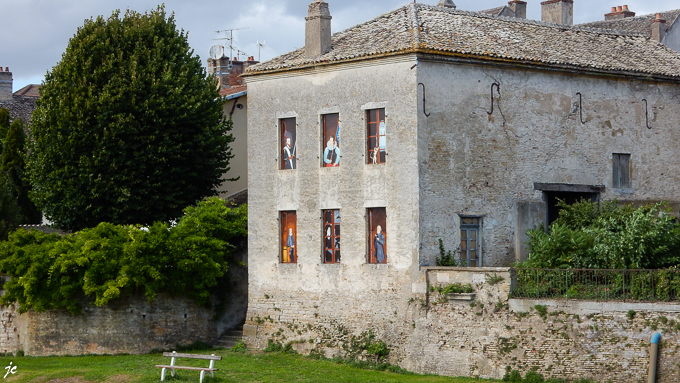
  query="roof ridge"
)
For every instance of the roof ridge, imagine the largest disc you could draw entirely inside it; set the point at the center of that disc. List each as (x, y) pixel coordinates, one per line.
(529, 21)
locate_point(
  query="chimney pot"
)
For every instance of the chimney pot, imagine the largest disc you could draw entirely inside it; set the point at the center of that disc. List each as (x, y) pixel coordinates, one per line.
(620, 12)
(6, 69)
(658, 28)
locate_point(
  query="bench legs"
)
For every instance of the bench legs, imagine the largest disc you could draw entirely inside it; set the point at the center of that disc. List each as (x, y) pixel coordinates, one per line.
(202, 375)
(163, 374)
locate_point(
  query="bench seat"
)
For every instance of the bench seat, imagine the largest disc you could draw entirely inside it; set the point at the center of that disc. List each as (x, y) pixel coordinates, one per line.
(188, 368)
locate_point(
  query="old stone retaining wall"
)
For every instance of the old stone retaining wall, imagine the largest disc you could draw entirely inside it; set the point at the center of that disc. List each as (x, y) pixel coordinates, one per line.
(429, 333)
(129, 325)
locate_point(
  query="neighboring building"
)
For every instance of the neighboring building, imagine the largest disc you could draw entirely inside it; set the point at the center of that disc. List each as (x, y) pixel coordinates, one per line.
(431, 123)
(515, 8)
(235, 101)
(234, 94)
(21, 103)
(659, 26)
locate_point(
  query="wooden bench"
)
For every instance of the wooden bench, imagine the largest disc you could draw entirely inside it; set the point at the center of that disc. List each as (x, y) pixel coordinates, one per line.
(172, 367)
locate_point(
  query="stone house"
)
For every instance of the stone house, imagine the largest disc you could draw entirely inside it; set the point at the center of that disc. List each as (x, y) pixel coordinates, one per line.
(431, 123)
(21, 103)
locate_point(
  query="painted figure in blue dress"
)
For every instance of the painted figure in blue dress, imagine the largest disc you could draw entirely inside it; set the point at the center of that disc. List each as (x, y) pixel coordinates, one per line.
(379, 245)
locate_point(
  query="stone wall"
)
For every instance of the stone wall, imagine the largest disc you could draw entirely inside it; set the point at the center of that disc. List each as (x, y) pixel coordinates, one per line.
(428, 333)
(130, 325)
(19, 107)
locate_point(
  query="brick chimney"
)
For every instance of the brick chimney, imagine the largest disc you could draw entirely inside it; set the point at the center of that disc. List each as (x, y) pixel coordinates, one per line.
(519, 7)
(558, 12)
(620, 12)
(658, 28)
(5, 84)
(318, 29)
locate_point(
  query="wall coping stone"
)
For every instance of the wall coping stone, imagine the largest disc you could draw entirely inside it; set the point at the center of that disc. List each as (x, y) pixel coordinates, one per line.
(592, 307)
(469, 269)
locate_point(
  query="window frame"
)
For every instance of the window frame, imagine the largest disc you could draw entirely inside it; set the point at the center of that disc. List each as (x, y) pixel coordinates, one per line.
(283, 124)
(323, 140)
(621, 178)
(283, 221)
(466, 247)
(381, 118)
(370, 220)
(336, 231)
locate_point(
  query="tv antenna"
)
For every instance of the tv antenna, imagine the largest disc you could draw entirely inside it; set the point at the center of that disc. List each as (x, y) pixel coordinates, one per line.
(239, 53)
(230, 40)
(260, 46)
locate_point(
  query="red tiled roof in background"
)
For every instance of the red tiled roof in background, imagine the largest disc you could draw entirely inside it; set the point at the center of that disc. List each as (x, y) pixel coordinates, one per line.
(234, 89)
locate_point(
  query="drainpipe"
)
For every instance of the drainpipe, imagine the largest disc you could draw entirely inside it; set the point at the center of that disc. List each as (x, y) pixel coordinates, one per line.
(653, 357)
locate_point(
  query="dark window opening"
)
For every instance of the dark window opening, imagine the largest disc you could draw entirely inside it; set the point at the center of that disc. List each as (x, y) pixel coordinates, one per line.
(551, 198)
(331, 235)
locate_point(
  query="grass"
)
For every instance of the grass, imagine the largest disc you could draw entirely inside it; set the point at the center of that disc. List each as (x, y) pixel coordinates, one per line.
(234, 367)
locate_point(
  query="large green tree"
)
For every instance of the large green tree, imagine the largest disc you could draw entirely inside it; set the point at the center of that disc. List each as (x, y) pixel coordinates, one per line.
(128, 128)
(13, 166)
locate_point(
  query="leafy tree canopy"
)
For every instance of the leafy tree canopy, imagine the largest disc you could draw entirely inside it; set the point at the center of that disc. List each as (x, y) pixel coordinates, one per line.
(128, 128)
(607, 235)
(13, 167)
(109, 261)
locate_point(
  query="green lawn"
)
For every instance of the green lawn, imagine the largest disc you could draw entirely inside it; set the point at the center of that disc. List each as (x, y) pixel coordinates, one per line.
(234, 367)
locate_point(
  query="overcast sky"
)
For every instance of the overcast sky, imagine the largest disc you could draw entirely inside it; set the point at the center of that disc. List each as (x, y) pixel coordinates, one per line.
(35, 33)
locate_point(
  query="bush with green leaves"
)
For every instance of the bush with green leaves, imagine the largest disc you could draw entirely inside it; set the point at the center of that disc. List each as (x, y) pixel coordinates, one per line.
(129, 128)
(100, 264)
(606, 235)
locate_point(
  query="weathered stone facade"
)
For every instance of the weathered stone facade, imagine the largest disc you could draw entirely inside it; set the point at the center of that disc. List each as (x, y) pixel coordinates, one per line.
(427, 333)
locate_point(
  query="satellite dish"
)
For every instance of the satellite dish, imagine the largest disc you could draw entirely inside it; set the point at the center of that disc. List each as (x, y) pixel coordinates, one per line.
(216, 52)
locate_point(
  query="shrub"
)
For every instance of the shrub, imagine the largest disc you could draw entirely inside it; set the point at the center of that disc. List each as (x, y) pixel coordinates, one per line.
(606, 236)
(446, 258)
(109, 261)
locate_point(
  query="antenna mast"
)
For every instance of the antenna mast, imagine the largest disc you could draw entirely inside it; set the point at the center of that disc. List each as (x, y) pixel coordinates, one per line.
(230, 40)
(260, 46)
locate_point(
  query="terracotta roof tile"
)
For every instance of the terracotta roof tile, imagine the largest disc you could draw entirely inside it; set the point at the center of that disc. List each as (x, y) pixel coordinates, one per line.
(430, 29)
(232, 90)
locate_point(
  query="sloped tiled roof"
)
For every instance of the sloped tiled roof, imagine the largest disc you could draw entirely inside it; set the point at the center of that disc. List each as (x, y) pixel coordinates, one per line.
(233, 90)
(30, 90)
(637, 24)
(493, 11)
(430, 29)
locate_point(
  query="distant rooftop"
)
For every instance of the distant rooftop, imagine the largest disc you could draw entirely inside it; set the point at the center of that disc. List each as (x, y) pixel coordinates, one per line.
(637, 24)
(31, 90)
